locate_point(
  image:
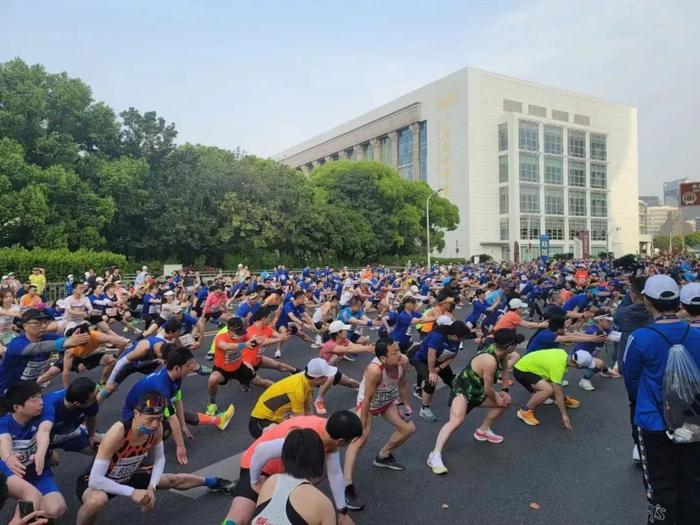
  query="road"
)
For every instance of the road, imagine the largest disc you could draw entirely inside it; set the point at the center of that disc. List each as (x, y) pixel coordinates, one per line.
(579, 477)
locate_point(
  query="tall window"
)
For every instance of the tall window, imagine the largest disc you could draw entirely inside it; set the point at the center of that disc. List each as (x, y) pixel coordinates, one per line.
(502, 137)
(367, 152)
(554, 227)
(553, 141)
(529, 168)
(386, 151)
(423, 149)
(350, 154)
(576, 226)
(503, 168)
(529, 227)
(598, 147)
(599, 230)
(577, 203)
(553, 171)
(529, 199)
(577, 174)
(577, 143)
(504, 229)
(599, 204)
(599, 176)
(503, 200)
(405, 158)
(554, 201)
(529, 139)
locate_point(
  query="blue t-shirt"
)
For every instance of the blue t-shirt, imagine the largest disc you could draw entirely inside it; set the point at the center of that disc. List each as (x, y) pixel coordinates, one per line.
(579, 301)
(479, 308)
(15, 366)
(158, 381)
(187, 323)
(23, 442)
(644, 361)
(542, 340)
(591, 329)
(65, 421)
(346, 314)
(403, 330)
(151, 353)
(441, 343)
(290, 308)
(244, 309)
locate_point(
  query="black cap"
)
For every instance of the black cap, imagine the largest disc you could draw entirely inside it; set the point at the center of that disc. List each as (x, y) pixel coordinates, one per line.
(35, 315)
(152, 403)
(553, 311)
(507, 337)
(236, 325)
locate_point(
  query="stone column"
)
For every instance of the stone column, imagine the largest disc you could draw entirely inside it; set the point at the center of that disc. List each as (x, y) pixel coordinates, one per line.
(415, 131)
(394, 137)
(342, 155)
(357, 148)
(376, 149)
(329, 158)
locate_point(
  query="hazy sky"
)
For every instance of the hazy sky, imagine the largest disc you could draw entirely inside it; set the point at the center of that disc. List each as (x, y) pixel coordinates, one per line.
(266, 75)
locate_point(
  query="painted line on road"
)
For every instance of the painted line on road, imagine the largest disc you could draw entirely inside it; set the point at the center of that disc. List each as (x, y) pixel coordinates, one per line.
(228, 468)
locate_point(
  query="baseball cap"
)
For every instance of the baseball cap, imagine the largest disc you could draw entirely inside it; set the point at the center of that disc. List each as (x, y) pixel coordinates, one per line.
(169, 292)
(5, 277)
(152, 403)
(236, 325)
(690, 294)
(444, 320)
(583, 359)
(337, 326)
(661, 287)
(507, 337)
(34, 315)
(516, 303)
(318, 367)
(73, 326)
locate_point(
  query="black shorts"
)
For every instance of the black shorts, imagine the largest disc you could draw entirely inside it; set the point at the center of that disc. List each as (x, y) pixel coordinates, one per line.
(212, 315)
(242, 374)
(256, 427)
(338, 377)
(139, 480)
(354, 337)
(291, 329)
(243, 488)
(527, 379)
(95, 319)
(405, 346)
(89, 362)
(318, 325)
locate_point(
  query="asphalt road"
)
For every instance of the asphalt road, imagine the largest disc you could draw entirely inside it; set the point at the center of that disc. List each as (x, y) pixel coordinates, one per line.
(581, 477)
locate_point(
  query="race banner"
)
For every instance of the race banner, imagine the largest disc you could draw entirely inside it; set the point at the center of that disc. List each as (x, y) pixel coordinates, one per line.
(690, 194)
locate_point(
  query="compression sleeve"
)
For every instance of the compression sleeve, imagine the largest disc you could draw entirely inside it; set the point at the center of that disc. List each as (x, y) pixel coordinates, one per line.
(264, 452)
(43, 347)
(158, 465)
(335, 479)
(121, 363)
(100, 481)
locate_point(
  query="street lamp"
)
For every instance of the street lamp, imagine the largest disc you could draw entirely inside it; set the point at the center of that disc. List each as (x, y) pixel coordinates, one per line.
(613, 229)
(427, 221)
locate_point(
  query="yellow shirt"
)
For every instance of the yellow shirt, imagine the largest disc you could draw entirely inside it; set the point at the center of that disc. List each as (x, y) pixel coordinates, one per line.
(212, 348)
(39, 281)
(285, 397)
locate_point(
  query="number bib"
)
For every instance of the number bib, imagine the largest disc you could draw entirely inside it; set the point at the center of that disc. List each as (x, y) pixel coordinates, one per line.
(24, 449)
(124, 468)
(33, 369)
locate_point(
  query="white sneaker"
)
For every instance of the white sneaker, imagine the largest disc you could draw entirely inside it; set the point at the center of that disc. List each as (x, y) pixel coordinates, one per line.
(586, 384)
(635, 455)
(565, 383)
(427, 414)
(278, 354)
(319, 341)
(436, 464)
(548, 401)
(350, 357)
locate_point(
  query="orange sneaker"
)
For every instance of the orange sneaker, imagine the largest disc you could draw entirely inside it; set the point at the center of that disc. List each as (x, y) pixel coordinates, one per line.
(570, 402)
(320, 407)
(528, 416)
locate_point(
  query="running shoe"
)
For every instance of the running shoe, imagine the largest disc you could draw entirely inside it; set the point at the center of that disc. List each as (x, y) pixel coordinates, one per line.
(586, 384)
(212, 409)
(204, 370)
(418, 392)
(548, 401)
(245, 388)
(436, 464)
(427, 414)
(225, 418)
(209, 356)
(565, 383)
(278, 354)
(388, 462)
(635, 455)
(352, 500)
(320, 407)
(224, 486)
(488, 436)
(570, 402)
(611, 373)
(528, 416)
(350, 357)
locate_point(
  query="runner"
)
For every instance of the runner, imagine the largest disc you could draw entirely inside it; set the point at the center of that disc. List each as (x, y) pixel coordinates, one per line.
(354, 316)
(292, 318)
(475, 387)
(690, 302)
(406, 319)
(9, 312)
(261, 330)
(384, 386)
(323, 316)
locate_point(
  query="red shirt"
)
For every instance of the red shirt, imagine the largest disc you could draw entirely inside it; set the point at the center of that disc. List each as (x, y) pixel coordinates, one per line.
(508, 320)
(228, 360)
(253, 356)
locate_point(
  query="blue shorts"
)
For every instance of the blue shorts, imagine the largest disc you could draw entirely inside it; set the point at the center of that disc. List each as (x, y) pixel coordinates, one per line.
(44, 483)
(5, 469)
(75, 442)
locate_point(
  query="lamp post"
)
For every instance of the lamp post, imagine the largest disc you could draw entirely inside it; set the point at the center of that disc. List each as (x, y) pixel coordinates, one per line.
(427, 221)
(613, 229)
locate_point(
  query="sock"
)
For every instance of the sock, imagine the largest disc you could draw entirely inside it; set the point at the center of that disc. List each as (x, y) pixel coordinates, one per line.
(203, 419)
(348, 484)
(426, 406)
(525, 408)
(210, 482)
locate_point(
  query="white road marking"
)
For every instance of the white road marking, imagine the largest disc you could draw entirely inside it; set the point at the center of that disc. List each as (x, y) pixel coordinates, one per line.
(226, 468)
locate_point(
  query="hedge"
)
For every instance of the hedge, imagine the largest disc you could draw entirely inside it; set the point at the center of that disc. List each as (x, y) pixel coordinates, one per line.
(57, 263)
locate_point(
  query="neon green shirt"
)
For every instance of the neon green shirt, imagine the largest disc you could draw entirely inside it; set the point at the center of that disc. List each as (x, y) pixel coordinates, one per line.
(548, 364)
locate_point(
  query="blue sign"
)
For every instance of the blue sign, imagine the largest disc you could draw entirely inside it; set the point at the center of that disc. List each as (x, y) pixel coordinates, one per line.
(544, 248)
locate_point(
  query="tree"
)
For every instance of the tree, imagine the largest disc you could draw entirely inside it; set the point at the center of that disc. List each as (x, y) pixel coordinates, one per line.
(146, 136)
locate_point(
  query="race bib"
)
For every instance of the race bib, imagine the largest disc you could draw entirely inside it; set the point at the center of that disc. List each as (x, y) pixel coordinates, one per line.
(384, 396)
(124, 468)
(154, 309)
(111, 312)
(231, 356)
(186, 340)
(60, 438)
(33, 369)
(24, 449)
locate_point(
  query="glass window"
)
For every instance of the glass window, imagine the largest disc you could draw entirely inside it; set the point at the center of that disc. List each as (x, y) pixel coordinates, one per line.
(367, 152)
(504, 229)
(529, 136)
(350, 154)
(529, 199)
(599, 204)
(423, 150)
(529, 227)
(405, 153)
(599, 230)
(577, 203)
(576, 226)
(529, 168)
(599, 147)
(553, 171)
(553, 141)
(503, 168)
(502, 137)
(503, 200)
(335, 156)
(599, 176)
(554, 227)
(577, 143)
(554, 201)
(577, 174)
(386, 151)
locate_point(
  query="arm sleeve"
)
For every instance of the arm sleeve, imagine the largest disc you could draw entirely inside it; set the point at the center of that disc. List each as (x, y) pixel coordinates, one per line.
(264, 452)
(158, 465)
(43, 347)
(100, 481)
(335, 479)
(121, 363)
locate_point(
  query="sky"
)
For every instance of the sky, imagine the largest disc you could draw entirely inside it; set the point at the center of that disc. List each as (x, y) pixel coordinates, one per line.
(267, 75)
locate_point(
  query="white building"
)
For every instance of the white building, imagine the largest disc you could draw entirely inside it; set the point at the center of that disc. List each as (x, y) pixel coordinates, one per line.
(517, 158)
(657, 216)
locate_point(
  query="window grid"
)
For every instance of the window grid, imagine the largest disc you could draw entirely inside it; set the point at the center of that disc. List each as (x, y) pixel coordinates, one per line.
(554, 227)
(529, 168)
(503, 168)
(529, 136)
(529, 199)
(423, 150)
(577, 203)
(503, 199)
(598, 147)
(599, 204)
(599, 176)
(367, 151)
(553, 171)
(553, 140)
(599, 230)
(386, 151)
(502, 137)
(504, 229)
(554, 201)
(529, 227)
(577, 174)
(577, 144)
(576, 226)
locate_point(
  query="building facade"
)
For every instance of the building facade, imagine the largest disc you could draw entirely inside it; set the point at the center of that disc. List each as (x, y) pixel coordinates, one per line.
(518, 159)
(650, 200)
(658, 216)
(671, 189)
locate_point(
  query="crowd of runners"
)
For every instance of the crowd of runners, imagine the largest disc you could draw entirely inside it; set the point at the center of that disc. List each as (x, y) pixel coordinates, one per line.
(406, 325)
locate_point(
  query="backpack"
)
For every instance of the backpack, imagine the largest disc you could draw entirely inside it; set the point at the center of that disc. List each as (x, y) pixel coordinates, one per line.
(681, 392)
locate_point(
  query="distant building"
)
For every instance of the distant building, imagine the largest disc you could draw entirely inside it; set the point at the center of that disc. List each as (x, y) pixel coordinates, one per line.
(645, 239)
(657, 216)
(671, 191)
(650, 200)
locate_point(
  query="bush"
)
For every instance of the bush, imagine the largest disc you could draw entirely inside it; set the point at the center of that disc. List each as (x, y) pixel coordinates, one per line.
(483, 257)
(57, 263)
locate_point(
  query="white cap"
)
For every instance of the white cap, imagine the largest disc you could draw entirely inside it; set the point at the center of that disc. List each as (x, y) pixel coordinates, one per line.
(144, 268)
(444, 320)
(516, 303)
(99, 280)
(690, 294)
(318, 367)
(169, 292)
(414, 289)
(337, 326)
(584, 359)
(661, 287)
(5, 277)
(603, 318)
